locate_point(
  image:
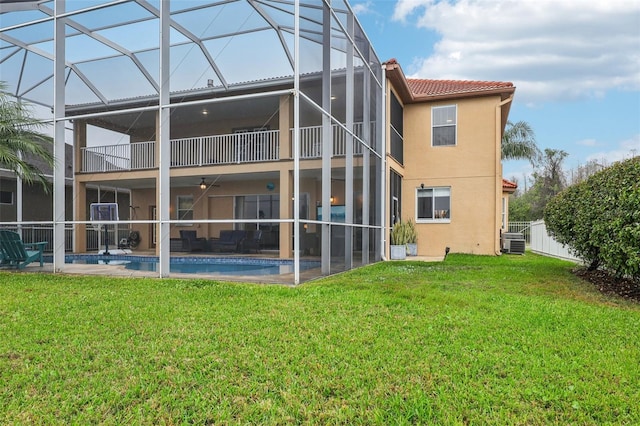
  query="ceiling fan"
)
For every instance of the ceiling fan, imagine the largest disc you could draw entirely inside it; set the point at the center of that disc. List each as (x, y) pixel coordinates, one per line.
(204, 185)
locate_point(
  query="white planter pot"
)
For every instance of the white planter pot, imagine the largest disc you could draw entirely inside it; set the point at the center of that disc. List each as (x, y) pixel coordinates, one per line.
(398, 252)
(412, 249)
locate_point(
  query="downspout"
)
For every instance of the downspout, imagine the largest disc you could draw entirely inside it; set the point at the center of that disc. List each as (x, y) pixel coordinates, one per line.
(383, 181)
(498, 211)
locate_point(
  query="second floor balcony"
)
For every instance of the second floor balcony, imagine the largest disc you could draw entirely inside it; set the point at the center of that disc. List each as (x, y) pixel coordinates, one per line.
(236, 148)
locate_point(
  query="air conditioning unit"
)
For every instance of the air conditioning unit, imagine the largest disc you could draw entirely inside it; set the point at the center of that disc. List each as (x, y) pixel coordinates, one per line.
(513, 246)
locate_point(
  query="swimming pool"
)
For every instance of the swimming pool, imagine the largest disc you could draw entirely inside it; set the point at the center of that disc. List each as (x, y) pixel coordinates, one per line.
(197, 265)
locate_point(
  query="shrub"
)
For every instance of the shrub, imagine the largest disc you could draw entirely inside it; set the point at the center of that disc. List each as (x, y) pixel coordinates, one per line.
(600, 218)
(412, 235)
(399, 233)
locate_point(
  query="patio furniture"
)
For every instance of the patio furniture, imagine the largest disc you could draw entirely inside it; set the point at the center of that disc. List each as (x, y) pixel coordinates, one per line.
(252, 241)
(191, 242)
(16, 253)
(229, 240)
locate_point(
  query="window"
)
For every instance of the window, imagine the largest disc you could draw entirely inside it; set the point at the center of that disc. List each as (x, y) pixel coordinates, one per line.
(185, 207)
(396, 129)
(433, 204)
(395, 194)
(504, 212)
(444, 121)
(6, 197)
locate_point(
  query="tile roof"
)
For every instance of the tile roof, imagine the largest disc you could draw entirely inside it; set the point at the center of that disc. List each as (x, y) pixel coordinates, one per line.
(412, 90)
(424, 87)
(507, 185)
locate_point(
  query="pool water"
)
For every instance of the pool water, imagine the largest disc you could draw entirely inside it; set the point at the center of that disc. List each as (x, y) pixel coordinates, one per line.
(198, 265)
(214, 268)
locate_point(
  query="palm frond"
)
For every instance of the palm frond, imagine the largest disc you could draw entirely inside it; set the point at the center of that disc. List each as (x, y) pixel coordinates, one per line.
(519, 143)
(21, 141)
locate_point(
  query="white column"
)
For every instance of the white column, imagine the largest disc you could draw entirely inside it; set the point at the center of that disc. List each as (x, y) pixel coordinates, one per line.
(58, 137)
(366, 158)
(349, 201)
(327, 139)
(19, 199)
(296, 141)
(164, 160)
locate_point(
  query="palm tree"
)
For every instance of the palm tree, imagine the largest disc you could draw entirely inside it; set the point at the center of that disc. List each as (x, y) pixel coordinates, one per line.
(20, 141)
(519, 143)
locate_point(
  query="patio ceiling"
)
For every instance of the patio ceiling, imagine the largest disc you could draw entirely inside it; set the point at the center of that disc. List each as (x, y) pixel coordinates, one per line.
(112, 48)
(218, 179)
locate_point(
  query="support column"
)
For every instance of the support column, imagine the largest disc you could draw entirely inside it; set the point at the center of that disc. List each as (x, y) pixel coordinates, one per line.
(58, 137)
(285, 127)
(164, 158)
(366, 161)
(156, 156)
(79, 188)
(19, 200)
(349, 201)
(327, 140)
(296, 131)
(286, 210)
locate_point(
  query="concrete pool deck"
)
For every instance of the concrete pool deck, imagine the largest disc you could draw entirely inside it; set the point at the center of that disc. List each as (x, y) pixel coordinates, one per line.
(119, 270)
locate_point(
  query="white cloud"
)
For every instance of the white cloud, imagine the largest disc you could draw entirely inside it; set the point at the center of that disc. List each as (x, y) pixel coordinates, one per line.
(587, 142)
(362, 8)
(625, 149)
(549, 49)
(405, 8)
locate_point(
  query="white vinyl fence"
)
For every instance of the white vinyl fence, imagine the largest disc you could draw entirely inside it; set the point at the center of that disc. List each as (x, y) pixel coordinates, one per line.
(542, 243)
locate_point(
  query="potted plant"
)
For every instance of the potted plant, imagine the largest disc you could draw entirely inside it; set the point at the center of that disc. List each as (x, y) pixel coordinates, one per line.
(398, 247)
(412, 238)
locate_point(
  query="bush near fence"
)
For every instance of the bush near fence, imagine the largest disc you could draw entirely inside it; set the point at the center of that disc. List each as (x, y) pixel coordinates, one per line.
(600, 219)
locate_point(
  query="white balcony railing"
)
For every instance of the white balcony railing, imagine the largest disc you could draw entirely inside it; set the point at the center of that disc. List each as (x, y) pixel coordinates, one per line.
(110, 158)
(234, 148)
(226, 149)
(311, 141)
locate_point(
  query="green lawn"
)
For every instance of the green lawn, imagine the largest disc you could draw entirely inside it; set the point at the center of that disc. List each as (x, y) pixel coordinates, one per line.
(478, 340)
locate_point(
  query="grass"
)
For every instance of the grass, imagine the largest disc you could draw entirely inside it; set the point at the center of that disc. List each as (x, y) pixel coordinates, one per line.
(473, 340)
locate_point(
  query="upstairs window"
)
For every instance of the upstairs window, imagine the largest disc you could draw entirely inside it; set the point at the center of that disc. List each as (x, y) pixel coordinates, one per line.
(397, 132)
(444, 125)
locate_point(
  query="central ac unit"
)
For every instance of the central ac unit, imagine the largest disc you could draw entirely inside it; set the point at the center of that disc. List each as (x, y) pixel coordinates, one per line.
(514, 246)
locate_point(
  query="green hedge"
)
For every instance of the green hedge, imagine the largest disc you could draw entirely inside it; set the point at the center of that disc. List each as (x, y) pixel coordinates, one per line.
(599, 219)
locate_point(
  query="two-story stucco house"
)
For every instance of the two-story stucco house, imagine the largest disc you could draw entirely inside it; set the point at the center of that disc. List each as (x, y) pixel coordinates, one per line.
(444, 169)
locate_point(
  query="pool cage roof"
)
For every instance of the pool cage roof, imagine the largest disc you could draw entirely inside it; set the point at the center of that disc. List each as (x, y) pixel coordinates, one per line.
(112, 48)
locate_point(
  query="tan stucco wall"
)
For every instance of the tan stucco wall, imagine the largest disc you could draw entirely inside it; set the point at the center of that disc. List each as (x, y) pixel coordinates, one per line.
(471, 169)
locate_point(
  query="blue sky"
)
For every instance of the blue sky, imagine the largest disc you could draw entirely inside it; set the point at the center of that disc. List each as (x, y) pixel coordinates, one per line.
(575, 63)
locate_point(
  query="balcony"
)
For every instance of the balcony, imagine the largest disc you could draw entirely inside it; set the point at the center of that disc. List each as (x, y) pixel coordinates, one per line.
(236, 148)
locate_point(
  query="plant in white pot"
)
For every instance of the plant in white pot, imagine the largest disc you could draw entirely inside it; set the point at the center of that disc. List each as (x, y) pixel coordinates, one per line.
(398, 247)
(412, 238)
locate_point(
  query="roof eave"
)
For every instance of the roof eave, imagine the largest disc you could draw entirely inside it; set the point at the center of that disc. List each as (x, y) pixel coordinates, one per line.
(504, 93)
(398, 81)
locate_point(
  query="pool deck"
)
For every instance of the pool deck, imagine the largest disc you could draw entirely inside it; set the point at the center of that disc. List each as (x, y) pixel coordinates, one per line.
(115, 270)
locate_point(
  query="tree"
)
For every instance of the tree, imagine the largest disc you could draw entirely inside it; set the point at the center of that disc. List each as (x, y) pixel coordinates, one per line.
(519, 143)
(548, 180)
(20, 140)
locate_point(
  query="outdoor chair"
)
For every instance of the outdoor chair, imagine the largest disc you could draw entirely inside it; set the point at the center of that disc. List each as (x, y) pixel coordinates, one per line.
(16, 253)
(252, 241)
(191, 242)
(229, 240)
